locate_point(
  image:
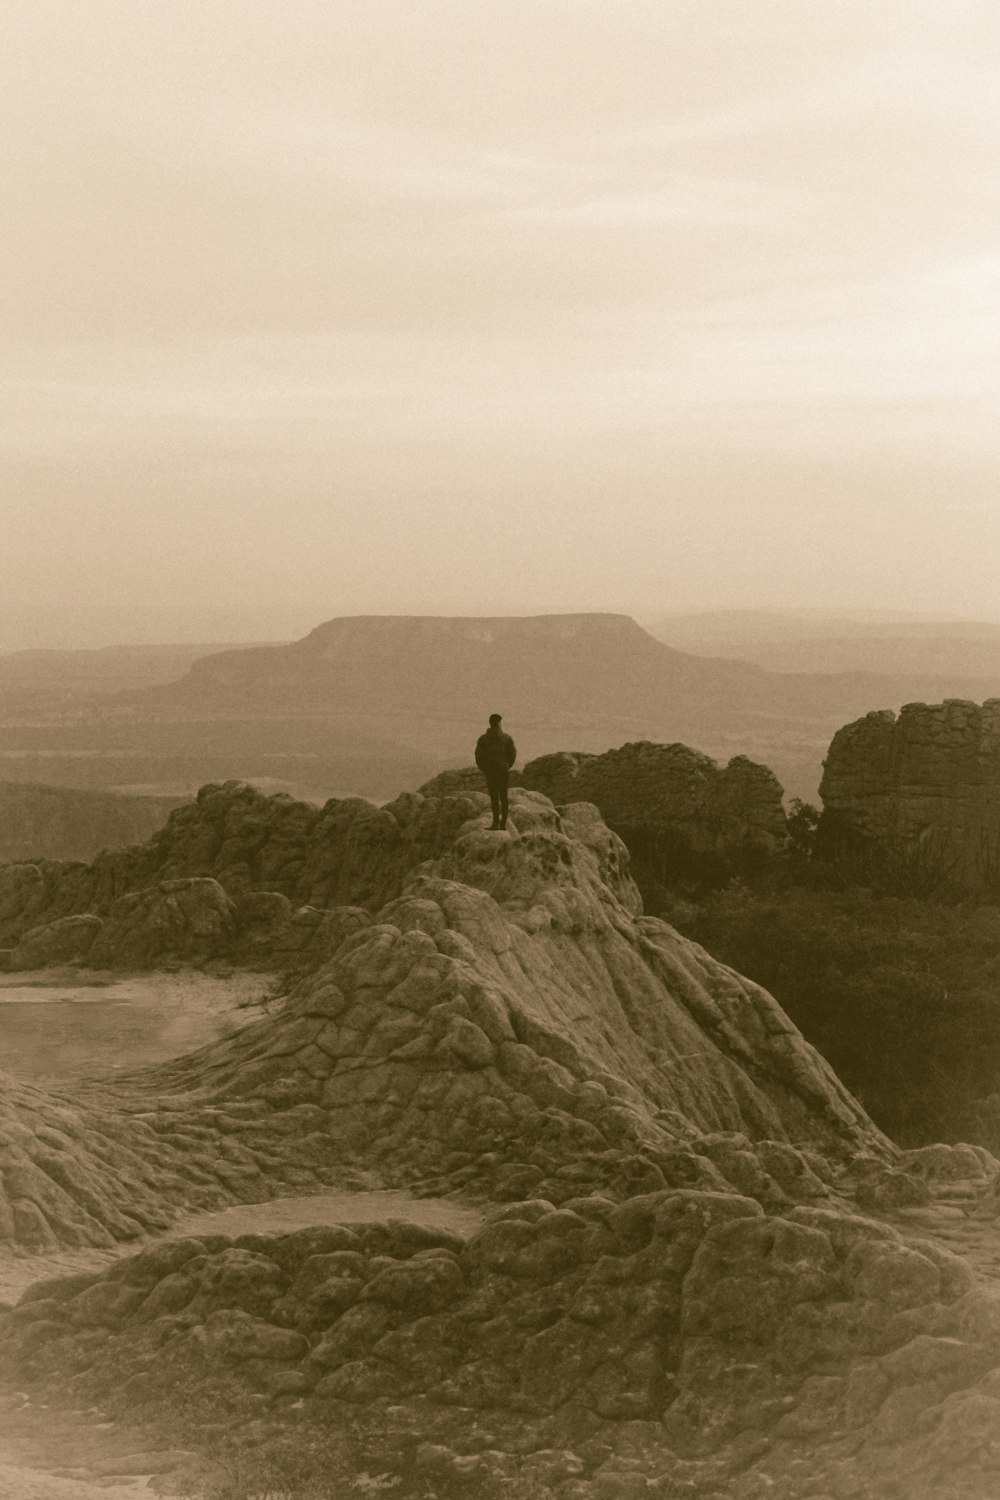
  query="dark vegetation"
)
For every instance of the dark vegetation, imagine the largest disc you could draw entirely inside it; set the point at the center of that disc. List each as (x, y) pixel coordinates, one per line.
(880, 960)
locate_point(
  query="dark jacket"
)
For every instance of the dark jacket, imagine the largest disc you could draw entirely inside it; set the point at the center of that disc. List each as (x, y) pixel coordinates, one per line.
(495, 752)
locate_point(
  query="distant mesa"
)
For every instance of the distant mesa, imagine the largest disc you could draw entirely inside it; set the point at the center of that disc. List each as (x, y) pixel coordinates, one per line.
(371, 703)
(537, 666)
(923, 786)
(585, 680)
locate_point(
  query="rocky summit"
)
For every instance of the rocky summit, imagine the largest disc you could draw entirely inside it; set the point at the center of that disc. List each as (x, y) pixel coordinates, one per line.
(673, 1290)
(923, 786)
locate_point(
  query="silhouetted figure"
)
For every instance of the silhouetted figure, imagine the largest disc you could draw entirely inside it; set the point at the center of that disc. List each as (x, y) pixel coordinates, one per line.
(495, 754)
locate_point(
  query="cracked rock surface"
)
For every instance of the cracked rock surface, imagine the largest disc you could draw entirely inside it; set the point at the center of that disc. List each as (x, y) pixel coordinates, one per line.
(673, 1292)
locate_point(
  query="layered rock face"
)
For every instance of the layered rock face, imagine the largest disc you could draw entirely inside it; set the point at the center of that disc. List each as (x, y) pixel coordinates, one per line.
(923, 784)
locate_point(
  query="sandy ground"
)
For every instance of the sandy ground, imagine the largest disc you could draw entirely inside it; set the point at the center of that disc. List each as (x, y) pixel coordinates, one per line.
(88, 1458)
(68, 1024)
(20, 1483)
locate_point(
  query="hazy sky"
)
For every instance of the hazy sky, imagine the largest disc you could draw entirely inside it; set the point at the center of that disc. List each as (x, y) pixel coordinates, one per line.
(469, 306)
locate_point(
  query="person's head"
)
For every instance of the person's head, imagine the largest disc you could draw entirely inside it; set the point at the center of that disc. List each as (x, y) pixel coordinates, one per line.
(494, 721)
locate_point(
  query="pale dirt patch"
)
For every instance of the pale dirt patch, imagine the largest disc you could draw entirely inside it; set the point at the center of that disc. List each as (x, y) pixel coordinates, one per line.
(50, 1453)
(59, 1025)
(20, 1483)
(278, 1216)
(282, 1215)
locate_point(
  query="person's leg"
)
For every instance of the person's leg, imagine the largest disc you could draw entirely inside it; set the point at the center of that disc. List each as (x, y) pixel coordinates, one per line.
(494, 791)
(503, 801)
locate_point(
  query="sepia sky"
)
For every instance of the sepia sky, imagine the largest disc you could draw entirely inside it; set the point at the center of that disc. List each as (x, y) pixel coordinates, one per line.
(336, 306)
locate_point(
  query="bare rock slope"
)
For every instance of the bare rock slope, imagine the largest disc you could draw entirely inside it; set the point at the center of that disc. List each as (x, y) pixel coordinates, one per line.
(505, 1021)
(671, 1295)
(925, 784)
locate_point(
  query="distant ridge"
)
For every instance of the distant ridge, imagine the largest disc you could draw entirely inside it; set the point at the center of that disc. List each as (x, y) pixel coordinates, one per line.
(57, 822)
(370, 703)
(586, 679)
(825, 641)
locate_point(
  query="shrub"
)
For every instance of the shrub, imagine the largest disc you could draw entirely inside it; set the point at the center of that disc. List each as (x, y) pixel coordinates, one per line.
(901, 995)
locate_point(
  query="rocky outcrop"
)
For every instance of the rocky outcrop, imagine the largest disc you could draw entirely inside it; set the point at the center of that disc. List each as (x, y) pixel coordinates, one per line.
(506, 1021)
(682, 1342)
(461, 779)
(282, 862)
(671, 1286)
(923, 786)
(657, 790)
(672, 789)
(67, 940)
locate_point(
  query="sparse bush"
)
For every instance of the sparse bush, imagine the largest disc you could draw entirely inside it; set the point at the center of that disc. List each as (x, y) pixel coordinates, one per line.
(803, 821)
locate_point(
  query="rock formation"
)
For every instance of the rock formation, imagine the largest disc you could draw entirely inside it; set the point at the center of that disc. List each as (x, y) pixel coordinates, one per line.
(671, 789)
(671, 1294)
(679, 1343)
(506, 1021)
(925, 785)
(234, 871)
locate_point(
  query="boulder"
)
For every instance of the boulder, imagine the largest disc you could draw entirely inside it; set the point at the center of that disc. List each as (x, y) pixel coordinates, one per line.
(919, 792)
(66, 940)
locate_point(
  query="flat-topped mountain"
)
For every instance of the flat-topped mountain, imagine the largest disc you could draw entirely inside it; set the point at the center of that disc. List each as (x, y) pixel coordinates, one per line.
(542, 667)
(370, 703)
(584, 679)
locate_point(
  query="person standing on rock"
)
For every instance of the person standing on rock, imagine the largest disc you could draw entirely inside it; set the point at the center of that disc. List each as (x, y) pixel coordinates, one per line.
(495, 754)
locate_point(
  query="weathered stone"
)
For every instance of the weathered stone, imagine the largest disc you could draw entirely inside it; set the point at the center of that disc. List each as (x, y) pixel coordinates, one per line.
(62, 941)
(188, 918)
(921, 790)
(671, 789)
(238, 1335)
